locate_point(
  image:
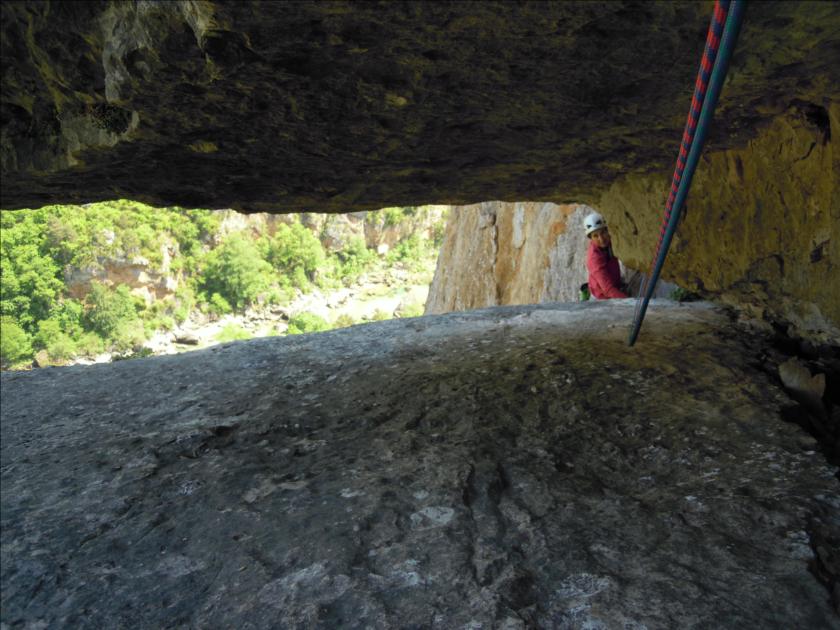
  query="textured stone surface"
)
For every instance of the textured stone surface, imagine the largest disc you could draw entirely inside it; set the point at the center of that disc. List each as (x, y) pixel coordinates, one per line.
(349, 106)
(761, 226)
(507, 468)
(499, 253)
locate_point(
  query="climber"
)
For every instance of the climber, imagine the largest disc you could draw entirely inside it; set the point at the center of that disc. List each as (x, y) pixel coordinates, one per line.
(604, 272)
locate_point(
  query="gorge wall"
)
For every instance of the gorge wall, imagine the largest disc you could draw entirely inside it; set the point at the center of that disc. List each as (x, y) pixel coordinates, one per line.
(153, 281)
(499, 253)
(337, 107)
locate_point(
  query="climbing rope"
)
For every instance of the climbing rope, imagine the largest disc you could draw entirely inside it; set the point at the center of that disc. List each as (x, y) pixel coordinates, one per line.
(720, 42)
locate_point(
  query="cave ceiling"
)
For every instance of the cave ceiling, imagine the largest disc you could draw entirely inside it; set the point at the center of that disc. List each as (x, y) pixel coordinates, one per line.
(339, 106)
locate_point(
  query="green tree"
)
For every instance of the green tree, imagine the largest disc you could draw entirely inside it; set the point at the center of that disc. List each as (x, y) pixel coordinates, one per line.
(30, 280)
(218, 305)
(15, 344)
(232, 332)
(69, 314)
(59, 345)
(306, 323)
(109, 312)
(355, 259)
(237, 272)
(297, 252)
(128, 337)
(410, 252)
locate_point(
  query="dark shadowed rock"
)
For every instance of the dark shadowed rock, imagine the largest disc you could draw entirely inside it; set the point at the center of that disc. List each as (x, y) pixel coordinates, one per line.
(187, 338)
(506, 468)
(332, 106)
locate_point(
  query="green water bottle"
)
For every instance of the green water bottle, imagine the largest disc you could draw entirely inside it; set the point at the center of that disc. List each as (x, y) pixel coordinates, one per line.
(584, 292)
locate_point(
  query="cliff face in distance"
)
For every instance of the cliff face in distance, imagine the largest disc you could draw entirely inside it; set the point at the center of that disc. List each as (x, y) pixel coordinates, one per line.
(335, 107)
(498, 253)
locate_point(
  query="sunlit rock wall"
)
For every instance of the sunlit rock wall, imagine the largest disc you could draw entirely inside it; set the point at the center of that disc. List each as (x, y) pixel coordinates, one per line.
(761, 226)
(500, 253)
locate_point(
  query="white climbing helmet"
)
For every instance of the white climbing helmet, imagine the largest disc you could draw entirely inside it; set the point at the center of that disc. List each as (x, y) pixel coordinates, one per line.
(594, 221)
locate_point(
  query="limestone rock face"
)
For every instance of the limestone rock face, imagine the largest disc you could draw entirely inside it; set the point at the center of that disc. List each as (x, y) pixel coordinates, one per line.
(761, 227)
(513, 467)
(148, 281)
(504, 253)
(337, 107)
(499, 253)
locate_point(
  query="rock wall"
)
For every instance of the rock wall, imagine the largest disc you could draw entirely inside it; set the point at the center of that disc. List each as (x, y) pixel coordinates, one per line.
(498, 253)
(148, 281)
(280, 106)
(761, 226)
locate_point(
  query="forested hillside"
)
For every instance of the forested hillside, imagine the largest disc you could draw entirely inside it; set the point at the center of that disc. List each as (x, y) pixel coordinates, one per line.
(62, 270)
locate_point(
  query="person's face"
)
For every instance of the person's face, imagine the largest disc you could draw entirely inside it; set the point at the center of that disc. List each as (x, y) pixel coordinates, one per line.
(601, 237)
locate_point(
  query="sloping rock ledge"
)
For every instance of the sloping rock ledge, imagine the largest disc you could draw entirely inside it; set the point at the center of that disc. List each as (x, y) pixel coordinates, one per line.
(511, 467)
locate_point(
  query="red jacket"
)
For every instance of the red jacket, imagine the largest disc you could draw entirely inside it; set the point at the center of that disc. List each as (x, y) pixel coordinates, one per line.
(604, 273)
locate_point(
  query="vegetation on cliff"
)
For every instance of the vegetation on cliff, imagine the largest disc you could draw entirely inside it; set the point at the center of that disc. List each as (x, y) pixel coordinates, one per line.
(49, 317)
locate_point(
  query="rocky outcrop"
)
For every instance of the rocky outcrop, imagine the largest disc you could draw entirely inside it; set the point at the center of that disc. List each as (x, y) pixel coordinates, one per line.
(761, 228)
(254, 225)
(499, 253)
(146, 280)
(311, 105)
(513, 467)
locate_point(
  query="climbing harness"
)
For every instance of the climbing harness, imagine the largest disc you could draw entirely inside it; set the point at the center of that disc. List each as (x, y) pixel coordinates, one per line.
(720, 42)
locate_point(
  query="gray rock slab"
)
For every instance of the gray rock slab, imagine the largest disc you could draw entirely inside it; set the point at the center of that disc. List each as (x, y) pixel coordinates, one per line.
(515, 467)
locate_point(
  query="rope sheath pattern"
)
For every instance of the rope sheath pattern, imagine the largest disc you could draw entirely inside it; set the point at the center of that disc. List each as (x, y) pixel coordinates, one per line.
(701, 83)
(710, 77)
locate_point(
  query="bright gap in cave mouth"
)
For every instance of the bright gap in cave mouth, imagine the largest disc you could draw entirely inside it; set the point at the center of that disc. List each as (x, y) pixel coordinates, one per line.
(120, 279)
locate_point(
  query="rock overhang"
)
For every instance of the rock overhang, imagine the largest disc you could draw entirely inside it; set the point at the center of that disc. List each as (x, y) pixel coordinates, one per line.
(343, 106)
